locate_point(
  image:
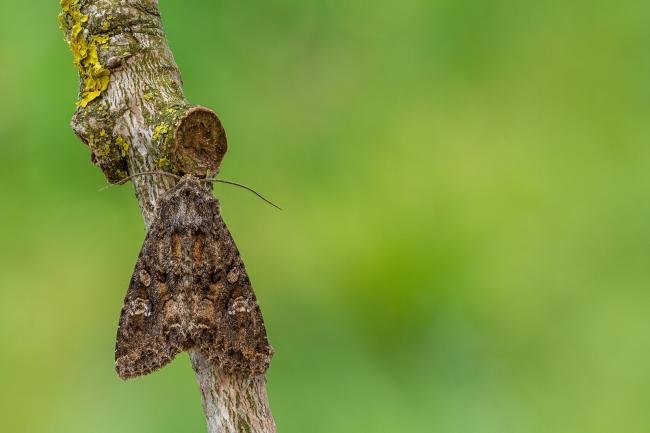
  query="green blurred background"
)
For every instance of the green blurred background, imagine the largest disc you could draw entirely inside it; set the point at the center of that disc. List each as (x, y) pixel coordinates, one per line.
(465, 241)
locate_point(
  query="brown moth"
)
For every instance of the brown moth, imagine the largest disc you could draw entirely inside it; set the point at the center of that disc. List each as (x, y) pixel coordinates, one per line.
(190, 289)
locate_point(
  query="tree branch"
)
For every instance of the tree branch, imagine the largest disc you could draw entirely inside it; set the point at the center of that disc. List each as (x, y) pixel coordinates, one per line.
(132, 113)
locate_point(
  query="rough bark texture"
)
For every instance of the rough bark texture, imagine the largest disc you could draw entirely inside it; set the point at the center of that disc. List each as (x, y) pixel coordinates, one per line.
(232, 402)
(132, 114)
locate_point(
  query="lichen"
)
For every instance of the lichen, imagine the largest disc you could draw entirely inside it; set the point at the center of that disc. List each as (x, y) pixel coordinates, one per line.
(123, 145)
(160, 129)
(100, 144)
(94, 76)
(106, 24)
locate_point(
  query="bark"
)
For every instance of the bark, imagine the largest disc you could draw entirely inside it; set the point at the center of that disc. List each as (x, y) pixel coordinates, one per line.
(132, 114)
(232, 403)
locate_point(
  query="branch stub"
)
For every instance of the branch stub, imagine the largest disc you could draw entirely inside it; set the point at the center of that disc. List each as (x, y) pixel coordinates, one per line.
(199, 143)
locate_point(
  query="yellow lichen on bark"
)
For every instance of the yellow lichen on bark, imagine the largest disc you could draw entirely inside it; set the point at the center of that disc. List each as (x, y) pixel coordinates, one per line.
(94, 76)
(159, 130)
(123, 144)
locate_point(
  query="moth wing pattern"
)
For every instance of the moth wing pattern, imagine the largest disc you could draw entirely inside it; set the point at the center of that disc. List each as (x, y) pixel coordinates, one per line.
(190, 289)
(142, 345)
(235, 339)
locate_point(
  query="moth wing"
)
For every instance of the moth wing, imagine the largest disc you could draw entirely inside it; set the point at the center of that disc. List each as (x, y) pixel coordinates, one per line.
(233, 336)
(142, 345)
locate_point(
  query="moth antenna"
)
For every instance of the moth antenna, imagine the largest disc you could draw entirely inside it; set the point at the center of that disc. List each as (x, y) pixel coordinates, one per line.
(229, 182)
(143, 173)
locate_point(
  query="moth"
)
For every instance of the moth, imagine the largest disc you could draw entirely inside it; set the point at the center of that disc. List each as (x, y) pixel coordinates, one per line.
(190, 289)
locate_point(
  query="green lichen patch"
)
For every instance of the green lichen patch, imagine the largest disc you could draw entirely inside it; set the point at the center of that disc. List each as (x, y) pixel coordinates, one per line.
(123, 145)
(160, 130)
(109, 151)
(106, 24)
(100, 143)
(163, 163)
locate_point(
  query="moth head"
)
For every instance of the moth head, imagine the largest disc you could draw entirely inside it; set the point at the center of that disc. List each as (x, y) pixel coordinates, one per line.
(188, 183)
(189, 205)
(189, 187)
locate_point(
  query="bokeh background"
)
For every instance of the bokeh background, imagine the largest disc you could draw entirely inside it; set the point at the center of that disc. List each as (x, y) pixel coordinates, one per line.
(465, 245)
